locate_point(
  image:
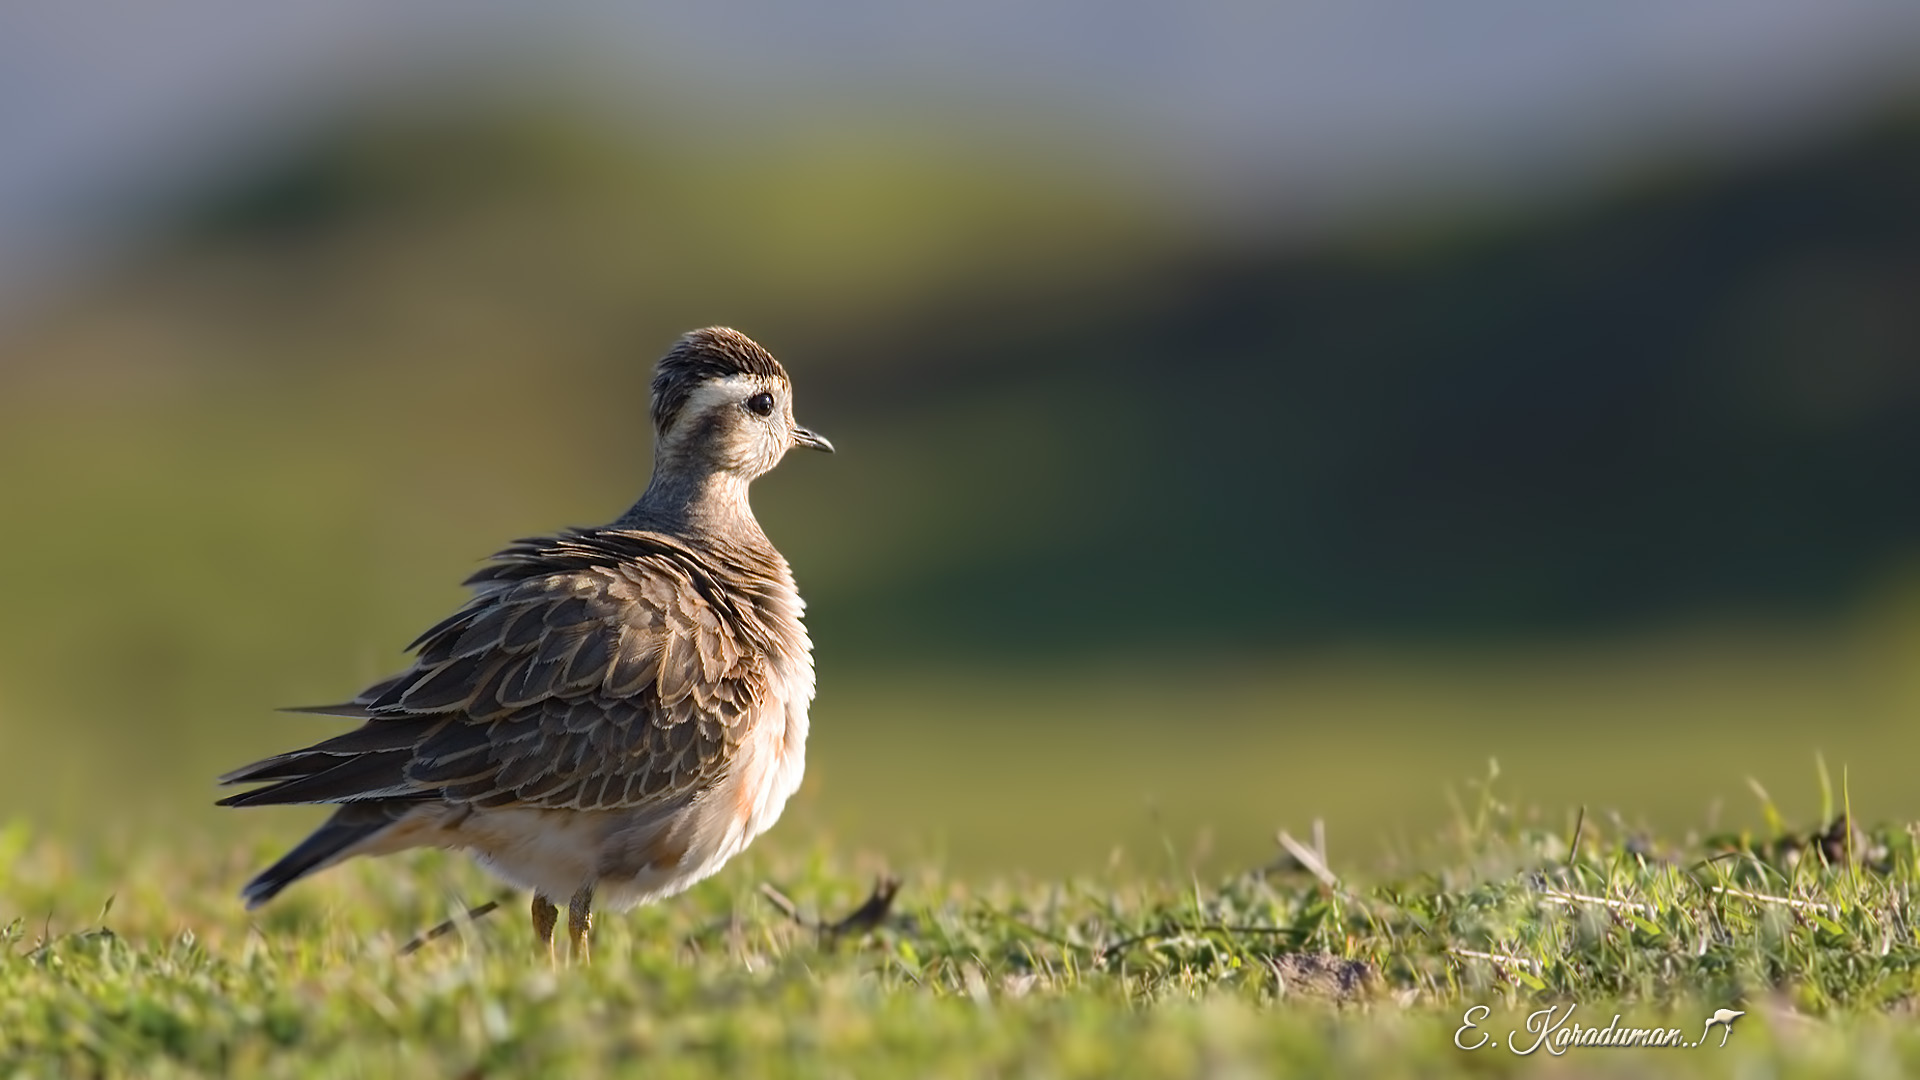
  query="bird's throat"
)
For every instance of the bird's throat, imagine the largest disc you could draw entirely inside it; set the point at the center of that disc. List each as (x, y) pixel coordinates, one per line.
(708, 503)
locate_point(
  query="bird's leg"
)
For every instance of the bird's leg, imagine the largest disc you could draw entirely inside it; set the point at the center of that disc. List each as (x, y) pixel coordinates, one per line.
(579, 921)
(544, 916)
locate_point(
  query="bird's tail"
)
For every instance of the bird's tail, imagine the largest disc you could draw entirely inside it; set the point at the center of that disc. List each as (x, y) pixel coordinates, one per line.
(348, 827)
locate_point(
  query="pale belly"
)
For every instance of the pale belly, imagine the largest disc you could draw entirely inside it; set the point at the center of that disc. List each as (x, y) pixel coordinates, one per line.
(631, 855)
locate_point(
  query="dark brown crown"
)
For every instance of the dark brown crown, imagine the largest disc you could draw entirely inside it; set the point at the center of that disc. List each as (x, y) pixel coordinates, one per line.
(716, 352)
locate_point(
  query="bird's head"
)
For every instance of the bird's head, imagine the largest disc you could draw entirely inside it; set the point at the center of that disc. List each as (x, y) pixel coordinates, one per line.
(722, 403)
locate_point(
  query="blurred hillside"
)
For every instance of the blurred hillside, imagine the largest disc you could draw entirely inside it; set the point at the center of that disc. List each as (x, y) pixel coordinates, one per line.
(1700, 394)
(1074, 428)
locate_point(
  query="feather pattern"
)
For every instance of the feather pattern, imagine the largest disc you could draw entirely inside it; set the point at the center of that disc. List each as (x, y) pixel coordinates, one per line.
(630, 690)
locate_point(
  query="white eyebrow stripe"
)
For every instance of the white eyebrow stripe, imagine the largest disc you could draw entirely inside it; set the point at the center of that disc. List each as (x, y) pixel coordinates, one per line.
(721, 391)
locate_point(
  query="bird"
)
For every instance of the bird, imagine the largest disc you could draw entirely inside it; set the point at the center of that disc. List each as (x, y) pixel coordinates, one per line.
(1723, 1017)
(616, 711)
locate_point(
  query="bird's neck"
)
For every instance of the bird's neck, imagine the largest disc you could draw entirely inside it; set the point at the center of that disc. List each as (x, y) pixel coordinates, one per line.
(701, 503)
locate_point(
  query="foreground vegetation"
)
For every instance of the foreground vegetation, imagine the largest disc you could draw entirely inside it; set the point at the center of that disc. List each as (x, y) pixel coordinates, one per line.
(1290, 967)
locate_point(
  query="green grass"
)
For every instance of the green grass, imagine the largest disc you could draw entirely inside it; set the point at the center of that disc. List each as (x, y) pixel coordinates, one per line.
(137, 961)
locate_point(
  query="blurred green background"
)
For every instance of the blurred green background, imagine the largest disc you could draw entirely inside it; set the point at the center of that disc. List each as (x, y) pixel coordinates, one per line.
(1166, 513)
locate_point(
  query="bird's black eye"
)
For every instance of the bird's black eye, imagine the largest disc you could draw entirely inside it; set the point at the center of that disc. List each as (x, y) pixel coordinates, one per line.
(761, 404)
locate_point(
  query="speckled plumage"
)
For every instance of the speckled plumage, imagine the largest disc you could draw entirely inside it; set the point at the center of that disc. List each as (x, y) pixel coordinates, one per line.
(618, 710)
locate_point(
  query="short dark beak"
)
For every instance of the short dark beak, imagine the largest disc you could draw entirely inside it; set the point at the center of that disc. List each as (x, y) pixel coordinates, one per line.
(811, 440)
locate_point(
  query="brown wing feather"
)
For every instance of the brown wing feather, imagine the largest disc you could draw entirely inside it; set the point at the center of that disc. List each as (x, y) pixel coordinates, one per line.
(597, 670)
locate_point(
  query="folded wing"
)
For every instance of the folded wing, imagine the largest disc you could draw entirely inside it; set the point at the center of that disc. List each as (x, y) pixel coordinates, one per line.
(596, 670)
